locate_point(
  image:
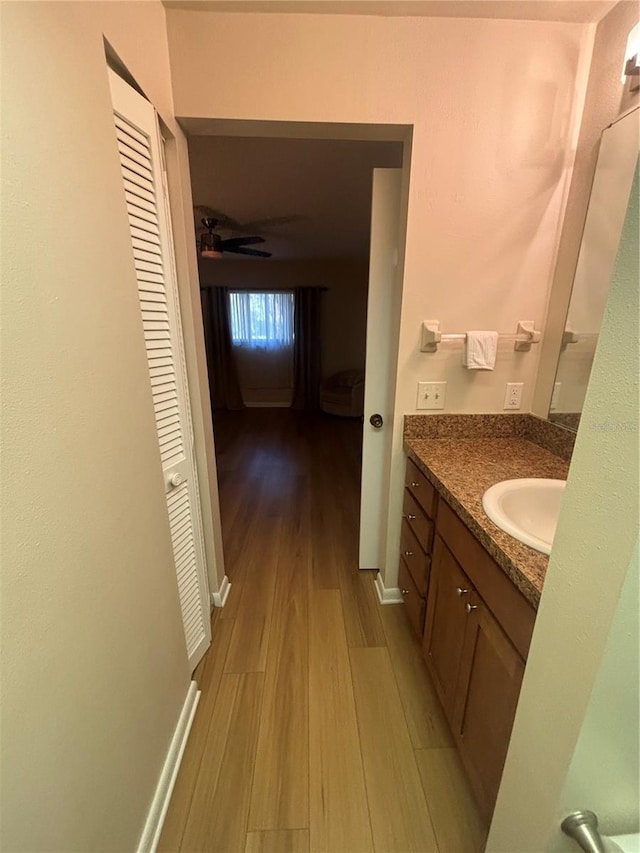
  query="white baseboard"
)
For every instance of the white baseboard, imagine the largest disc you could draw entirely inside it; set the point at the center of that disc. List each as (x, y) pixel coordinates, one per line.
(160, 803)
(390, 595)
(219, 598)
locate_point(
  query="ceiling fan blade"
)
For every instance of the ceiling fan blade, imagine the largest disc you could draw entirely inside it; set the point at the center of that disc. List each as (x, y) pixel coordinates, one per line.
(239, 250)
(241, 241)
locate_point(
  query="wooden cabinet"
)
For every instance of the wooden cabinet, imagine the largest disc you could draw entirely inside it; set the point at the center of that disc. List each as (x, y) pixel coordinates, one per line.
(414, 601)
(416, 542)
(477, 630)
(445, 627)
(487, 693)
(477, 673)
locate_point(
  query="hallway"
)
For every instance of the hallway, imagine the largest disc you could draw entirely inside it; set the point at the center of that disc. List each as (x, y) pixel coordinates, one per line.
(316, 729)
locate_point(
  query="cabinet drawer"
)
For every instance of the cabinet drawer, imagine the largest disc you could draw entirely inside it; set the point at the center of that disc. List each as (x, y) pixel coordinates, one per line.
(413, 600)
(417, 561)
(420, 524)
(420, 488)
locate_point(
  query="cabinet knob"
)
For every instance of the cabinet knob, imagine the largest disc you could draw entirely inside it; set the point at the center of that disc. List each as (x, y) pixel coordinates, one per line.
(404, 591)
(461, 591)
(471, 607)
(176, 479)
(414, 485)
(408, 553)
(410, 517)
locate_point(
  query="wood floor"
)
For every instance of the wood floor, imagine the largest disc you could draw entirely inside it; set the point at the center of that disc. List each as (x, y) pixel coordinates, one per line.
(317, 728)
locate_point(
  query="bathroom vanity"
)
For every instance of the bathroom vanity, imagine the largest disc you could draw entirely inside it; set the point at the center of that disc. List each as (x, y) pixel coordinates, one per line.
(471, 590)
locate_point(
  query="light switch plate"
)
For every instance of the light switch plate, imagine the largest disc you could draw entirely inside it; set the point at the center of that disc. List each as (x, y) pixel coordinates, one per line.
(431, 395)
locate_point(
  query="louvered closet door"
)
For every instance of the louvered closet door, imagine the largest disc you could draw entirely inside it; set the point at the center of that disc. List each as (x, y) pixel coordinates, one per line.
(142, 173)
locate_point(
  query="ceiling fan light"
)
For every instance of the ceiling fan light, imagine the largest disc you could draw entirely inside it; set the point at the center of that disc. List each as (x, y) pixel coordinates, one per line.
(210, 246)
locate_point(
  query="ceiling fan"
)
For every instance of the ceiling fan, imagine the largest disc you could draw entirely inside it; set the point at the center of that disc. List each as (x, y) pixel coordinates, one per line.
(212, 245)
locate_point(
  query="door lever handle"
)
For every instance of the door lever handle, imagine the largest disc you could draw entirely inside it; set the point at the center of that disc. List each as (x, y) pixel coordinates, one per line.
(583, 828)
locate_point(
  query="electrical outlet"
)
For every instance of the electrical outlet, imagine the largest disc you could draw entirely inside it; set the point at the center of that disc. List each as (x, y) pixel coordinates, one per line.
(431, 395)
(513, 396)
(555, 397)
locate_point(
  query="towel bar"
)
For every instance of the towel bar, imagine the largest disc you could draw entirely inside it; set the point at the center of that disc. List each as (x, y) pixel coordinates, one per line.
(525, 335)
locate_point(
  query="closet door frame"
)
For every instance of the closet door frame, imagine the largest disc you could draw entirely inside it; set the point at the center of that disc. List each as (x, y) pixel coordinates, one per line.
(134, 109)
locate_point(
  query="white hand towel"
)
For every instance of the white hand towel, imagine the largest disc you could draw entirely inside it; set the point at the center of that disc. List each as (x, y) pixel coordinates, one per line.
(480, 350)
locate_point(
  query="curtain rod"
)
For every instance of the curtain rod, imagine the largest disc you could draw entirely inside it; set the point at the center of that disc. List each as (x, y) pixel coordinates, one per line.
(263, 289)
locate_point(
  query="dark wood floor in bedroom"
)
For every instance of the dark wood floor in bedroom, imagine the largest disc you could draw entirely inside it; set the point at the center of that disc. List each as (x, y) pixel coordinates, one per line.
(317, 728)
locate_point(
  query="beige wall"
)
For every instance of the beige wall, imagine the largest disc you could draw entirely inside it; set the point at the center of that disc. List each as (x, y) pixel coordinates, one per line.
(582, 619)
(94, 666)
(344, 303)
(491, 152)
(606, 98)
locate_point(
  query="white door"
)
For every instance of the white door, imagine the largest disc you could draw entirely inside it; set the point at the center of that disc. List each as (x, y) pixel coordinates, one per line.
(141, 160)
(379, 386)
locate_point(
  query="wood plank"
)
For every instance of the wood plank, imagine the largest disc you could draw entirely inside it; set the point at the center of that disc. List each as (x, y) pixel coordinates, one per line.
(280, 796)
(249, 641)
(208, 676)
(456, 819)
(422, 709)
(197, 821)
(338, 810)
(361, 608)
(399, 814)
(220, 807)
(278, 841)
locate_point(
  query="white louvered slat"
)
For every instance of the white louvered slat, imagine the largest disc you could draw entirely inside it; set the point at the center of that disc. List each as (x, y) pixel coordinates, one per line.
(135, 160)
(149, 228)
(145, 266)
(145, 225)
(140, 208)
(187, 578)
(147, 252)
(142, 234)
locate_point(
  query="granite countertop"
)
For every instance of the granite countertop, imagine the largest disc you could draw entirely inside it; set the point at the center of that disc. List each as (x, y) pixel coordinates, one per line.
(462, 469)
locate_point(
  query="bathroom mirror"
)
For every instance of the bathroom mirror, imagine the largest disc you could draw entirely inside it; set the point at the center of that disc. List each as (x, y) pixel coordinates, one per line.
(608, 203)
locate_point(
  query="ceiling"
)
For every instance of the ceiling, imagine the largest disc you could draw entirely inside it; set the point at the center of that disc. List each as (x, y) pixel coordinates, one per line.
(325, 184)
(570, 11)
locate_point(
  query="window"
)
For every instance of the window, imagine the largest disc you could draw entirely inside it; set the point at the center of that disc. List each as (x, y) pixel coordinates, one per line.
(261, 320)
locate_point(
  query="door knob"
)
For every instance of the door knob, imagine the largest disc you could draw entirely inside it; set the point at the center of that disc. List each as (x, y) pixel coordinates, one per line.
(176, 479)
(376, 421)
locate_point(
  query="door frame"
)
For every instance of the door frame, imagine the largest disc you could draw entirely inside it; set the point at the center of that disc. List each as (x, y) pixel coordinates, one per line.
(188, 284)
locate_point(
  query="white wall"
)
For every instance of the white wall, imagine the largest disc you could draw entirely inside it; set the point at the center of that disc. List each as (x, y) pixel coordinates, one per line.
(491, 154)
(582, 618)
(491, 151)
(94, 665)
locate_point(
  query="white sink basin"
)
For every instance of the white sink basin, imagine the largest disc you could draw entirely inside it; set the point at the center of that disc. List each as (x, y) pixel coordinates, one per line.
(526, 509)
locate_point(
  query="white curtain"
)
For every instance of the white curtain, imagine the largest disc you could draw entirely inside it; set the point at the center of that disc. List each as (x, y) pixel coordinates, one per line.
(262, 337)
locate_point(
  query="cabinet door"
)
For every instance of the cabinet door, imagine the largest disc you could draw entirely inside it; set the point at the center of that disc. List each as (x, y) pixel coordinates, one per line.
(414, 602)
(446, 622)
(489, 682)
(417, 561)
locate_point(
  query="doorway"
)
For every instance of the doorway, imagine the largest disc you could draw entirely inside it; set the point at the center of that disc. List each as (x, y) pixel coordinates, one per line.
(306, 201)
